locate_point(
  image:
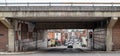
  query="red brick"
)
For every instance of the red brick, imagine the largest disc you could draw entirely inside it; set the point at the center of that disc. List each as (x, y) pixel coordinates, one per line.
(116, 36)
(4, 38)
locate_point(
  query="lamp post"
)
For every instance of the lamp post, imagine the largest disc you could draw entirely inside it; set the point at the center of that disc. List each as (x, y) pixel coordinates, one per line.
(6, 2)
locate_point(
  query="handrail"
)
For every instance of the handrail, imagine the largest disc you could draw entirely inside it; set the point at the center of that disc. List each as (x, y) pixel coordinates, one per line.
(51, 3)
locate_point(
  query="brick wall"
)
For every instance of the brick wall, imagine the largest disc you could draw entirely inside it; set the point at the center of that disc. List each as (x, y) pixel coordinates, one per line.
(116, 36)
(3, 37)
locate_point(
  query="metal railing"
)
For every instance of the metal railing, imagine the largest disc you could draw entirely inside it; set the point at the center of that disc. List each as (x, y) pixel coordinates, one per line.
(62, 4)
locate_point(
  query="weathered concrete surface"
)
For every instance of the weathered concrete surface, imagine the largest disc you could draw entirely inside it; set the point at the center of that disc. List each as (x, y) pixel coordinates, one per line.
(59, 11)
(60, 8)
(6, 22)
(109, 33)
(66, 25)
(11, 40)
(59, 14)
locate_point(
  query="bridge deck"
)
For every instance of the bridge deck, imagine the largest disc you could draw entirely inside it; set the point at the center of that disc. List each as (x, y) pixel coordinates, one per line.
(61, 8)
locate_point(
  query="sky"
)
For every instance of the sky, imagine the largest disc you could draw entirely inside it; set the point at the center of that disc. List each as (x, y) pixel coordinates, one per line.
(60, 0)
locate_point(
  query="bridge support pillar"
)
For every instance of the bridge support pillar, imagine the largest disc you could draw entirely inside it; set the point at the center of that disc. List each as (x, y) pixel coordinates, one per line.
(11, 40)
(109, 42)
(11, 35)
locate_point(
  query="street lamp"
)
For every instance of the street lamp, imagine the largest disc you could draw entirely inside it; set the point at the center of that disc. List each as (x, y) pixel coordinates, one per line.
(6, 2)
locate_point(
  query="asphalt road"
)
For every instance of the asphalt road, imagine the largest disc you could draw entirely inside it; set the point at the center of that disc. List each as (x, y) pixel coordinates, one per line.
(66, 52)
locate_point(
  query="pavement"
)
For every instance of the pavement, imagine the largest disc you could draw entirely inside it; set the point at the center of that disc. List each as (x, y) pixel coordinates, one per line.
(16, 53)
(62, 52)
(65, 54)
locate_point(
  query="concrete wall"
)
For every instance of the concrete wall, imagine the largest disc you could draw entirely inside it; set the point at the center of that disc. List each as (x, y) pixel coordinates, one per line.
(66, 25)
(59, 14)
(100, 34)
(60, 8)
(100, 39)
(24, 31)
(42, 44)
(3, 37)
(28, 39)
(116, 36)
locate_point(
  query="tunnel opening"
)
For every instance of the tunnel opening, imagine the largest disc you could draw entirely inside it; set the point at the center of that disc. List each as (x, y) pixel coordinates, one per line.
(68, 38)
(46, 34)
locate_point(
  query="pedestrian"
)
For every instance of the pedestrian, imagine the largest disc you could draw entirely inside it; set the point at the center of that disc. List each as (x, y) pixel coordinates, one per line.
(49, 43)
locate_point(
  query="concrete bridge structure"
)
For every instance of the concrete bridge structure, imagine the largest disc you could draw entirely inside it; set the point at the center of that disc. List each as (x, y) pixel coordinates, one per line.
(92, 14)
